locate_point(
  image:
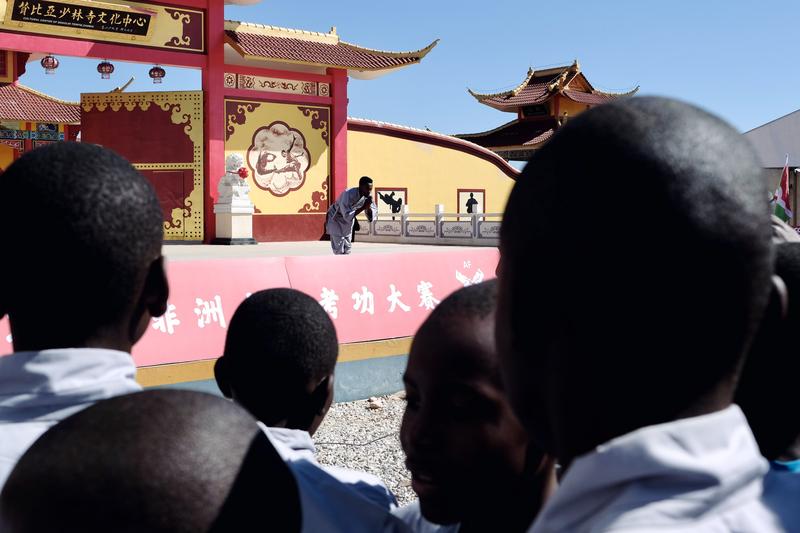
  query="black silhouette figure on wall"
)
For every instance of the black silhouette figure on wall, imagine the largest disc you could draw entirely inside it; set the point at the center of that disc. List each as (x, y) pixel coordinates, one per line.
(395, 203)
(471, 203)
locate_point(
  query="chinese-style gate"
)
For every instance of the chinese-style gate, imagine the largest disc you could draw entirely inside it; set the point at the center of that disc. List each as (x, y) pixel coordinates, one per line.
(277, 96)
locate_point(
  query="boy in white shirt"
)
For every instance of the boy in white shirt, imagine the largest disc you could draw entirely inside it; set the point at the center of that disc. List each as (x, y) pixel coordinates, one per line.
(767, 390)
(473, 466)
(622, 351)
(279, 362)
(81, 279)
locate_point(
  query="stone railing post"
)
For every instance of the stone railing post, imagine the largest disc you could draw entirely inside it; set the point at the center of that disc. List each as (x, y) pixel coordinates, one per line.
(439, 212)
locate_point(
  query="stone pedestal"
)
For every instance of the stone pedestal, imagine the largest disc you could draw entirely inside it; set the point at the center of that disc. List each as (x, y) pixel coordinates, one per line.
(234, 210)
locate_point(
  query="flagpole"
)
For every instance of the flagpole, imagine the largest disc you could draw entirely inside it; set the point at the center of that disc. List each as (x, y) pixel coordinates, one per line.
(788, 192)
(783, 200)
(796, 172)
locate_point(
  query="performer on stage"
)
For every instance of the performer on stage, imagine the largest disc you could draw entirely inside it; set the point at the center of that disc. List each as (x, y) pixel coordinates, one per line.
(342, 214)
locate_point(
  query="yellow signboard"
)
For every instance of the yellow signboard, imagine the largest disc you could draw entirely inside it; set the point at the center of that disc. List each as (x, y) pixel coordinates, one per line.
(109, 20)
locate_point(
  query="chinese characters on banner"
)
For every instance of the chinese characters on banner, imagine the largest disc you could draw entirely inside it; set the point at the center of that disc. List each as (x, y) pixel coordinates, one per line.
(82, 16)
(368, 297)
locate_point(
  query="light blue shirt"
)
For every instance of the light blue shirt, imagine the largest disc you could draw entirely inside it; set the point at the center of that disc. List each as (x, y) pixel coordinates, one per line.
(699, 474)
(411, 514)
(39, 389)
(333, 499)
(782, 493)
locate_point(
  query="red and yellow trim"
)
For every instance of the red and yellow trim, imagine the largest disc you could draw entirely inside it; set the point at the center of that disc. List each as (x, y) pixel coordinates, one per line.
(170, 374)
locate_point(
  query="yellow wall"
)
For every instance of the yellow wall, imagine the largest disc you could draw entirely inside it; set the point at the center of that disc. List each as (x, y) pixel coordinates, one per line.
(432, 174)
(6, 156)
(572, 108)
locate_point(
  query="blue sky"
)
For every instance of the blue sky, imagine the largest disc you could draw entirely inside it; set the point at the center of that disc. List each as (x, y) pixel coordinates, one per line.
(736, 58)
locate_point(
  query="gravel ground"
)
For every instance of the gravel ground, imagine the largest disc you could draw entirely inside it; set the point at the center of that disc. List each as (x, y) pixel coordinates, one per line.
(364, 435)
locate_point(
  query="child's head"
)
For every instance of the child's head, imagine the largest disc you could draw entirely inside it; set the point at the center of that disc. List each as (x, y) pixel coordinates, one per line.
(464, 446)
(156, 461)
(647, 317)
(82, 230)
(768, 391)
(279, 360)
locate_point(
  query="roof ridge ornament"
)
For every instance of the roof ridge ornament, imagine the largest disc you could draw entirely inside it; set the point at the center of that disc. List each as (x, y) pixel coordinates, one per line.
(121, 88)
(513, 92)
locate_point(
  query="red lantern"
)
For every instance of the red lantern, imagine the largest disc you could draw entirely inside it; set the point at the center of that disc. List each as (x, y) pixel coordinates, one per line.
(105, 69)
(243, 173)
(50, 64)
(157, 73)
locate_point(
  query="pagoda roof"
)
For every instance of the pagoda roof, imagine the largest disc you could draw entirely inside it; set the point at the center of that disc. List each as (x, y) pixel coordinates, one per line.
(271, 43)
(18, 102)
(515, 134)
(539, 86)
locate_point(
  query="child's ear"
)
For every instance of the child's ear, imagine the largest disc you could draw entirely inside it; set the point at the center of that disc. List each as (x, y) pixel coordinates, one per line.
(156, 288)
(780, 296)
(221, 375)
(322, 396)
(3, 304)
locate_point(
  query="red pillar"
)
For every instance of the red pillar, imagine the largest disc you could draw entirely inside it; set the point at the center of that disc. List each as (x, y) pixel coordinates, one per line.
(339, 129)
(28, 126)
(214, 111)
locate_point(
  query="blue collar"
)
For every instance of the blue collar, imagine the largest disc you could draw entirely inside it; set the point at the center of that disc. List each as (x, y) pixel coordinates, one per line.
(786, 466)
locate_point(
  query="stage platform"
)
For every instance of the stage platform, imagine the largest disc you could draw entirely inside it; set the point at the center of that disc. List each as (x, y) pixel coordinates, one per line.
(377, 298)
(191, 252)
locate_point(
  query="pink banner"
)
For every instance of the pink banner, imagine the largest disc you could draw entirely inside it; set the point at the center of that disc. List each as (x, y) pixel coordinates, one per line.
(369, 296)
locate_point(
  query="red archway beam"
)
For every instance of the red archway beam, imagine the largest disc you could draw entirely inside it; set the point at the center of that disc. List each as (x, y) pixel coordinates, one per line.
(278, 97)
(79, 48)
(272, 73)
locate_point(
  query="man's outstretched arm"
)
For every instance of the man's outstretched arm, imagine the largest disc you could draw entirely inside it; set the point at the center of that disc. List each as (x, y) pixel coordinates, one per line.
(370, 208)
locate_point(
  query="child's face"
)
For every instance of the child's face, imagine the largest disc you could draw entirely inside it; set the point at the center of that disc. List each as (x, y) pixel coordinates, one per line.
(461, 438)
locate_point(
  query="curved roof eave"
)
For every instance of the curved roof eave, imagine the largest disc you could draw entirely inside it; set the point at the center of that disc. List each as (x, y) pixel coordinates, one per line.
(431, 137)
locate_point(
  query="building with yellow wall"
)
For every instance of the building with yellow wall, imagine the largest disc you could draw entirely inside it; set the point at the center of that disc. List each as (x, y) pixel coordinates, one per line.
(543, 102)
(29, 119)
(424, 168)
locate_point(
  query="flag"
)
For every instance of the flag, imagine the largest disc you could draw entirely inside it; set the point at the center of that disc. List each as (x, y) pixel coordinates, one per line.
(783, 207)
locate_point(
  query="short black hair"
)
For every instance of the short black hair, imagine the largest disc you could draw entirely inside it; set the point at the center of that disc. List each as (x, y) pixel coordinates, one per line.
(768, 386)
(637, 243)
(365, 180)
(95, 228)
(278, 341)
(161, 460)
(476, 301)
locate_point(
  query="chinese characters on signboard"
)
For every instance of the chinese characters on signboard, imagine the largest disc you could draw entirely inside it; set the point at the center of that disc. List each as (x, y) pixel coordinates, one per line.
(82, 16)
(390, 298)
